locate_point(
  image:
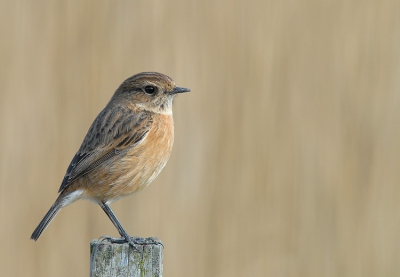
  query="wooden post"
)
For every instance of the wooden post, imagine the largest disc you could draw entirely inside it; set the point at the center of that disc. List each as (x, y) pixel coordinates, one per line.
(119, 260)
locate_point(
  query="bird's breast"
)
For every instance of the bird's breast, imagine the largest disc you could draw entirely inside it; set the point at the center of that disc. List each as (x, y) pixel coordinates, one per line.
(139, 166)
(154, 152)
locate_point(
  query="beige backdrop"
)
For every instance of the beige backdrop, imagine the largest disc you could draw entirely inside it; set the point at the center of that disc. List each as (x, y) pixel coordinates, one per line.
(286, 158)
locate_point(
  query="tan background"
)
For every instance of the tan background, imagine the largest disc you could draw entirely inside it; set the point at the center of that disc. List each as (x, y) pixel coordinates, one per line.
(286, 158)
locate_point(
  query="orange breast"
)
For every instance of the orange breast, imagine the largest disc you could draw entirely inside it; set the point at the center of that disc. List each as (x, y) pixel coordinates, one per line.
(137, 168)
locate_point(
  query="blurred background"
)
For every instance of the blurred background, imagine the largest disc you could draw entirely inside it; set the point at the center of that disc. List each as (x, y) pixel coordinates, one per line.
(286, 156)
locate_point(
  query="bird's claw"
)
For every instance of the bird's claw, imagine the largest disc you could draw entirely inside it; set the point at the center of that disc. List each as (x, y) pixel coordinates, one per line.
(133, 241)
(146, 241)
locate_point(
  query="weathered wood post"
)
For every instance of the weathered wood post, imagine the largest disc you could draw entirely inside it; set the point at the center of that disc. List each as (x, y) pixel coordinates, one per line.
(119, 260)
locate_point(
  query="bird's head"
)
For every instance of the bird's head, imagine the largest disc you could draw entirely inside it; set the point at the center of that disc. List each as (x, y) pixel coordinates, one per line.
(150, 91)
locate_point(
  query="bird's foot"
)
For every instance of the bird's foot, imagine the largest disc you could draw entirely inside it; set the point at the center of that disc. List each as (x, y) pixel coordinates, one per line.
(133, 241)
(146, 241)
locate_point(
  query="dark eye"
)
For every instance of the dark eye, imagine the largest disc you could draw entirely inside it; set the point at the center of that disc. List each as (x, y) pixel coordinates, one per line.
(150, 90)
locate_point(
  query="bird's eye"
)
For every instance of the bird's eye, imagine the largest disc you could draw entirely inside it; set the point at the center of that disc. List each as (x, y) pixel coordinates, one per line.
(150, 89)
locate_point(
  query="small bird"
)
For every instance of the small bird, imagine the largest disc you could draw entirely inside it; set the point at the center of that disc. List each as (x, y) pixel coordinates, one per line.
(126, 147)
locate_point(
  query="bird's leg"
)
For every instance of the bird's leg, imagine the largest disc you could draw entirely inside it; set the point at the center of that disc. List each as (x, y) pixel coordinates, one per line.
(124, 235)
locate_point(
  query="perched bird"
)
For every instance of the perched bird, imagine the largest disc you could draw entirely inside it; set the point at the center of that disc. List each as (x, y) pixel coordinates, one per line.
(126, 147)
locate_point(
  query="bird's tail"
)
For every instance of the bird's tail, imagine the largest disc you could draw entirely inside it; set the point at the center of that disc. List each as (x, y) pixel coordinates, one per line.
(46, 220)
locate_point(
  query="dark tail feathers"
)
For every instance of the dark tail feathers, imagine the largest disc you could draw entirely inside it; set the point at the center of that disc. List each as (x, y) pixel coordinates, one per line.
(46, 220)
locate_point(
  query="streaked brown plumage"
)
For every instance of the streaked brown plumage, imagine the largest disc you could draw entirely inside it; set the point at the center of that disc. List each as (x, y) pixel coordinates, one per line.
(126, 147)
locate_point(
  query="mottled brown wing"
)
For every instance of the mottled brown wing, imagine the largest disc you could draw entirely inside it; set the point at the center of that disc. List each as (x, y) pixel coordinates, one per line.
(114, 131)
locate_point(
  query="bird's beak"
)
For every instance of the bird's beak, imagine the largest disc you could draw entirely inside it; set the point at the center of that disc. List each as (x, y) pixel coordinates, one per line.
(176, 90)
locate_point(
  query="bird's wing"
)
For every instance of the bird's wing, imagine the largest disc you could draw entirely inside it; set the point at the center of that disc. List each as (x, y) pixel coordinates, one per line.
(114, 131)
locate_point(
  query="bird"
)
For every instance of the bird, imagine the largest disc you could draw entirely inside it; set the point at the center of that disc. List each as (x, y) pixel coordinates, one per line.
(124, 150)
